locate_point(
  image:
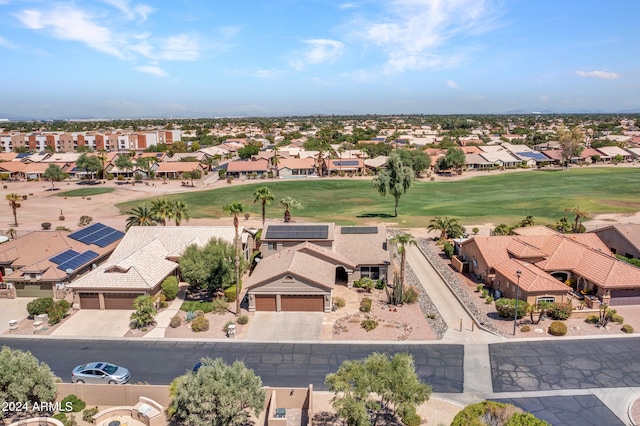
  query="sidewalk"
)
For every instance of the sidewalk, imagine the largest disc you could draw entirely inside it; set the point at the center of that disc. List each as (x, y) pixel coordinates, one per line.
(164, 318)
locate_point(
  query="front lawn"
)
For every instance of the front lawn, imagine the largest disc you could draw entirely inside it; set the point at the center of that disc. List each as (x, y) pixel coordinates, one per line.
(499, 198)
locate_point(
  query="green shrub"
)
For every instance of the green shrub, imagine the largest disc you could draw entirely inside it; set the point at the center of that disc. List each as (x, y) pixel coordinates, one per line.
(176, 321)
(495, 413)
(525, 419)
(559, 311)
(484, 293)
(193, 305)
(243, 319)
(200, 324)
(369, 324)
(198, 313)
(365, 305)
(39, 306)
(339, 302)
(525, 328)
(489, 300)
(507, 307)
(380, 285)
(77, 404)
(592, 319)
(87, 415)
(66, 420)
(57, 312)
(409, 416)
(410, 295)
(627, 328)
(479, 288)
(230, 293)
(190, 316)
(64, 304)
(170, 287)
(557, 328)
(448, 249)
(617, 318)
(219, 305)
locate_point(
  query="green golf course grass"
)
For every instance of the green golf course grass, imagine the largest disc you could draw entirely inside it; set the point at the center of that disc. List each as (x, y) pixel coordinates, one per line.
(499, 198)
(85, 192)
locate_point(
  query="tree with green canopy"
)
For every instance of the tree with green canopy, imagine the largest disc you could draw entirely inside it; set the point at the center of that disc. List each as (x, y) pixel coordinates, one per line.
(54, 173)
(217, 394)
(395, 180)
(265, 196)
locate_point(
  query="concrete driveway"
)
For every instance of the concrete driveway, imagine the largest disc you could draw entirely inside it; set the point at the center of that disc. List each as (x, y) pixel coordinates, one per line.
(283, 326)
(12, 309)
(95, 323)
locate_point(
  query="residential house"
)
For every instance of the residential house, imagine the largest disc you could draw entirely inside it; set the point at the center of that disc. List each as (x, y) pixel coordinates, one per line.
(302, 263)
(176, 169)
(544, 255)
(376, 164)
(622, 239)
(611, 152)
(296, 167)
(60, 257)
(332, 166)
(143, 259)
(478, 162)
(500, 158)
(248, 168)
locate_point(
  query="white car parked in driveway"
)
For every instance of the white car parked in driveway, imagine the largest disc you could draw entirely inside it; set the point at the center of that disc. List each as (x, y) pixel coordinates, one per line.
(100, 372)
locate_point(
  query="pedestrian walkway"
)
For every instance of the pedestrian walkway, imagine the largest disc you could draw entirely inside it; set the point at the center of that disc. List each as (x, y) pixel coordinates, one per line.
(164, 318)
(461, 326)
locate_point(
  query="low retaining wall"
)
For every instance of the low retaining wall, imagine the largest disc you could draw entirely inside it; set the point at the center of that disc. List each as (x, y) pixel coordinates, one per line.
(114, 395)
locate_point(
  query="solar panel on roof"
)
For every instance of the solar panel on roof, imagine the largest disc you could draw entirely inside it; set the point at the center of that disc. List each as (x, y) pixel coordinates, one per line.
(64, 256)
(78, 260)
(359, 230)
(347, 163)
(534, 155)
(86, 231)
(109, 238)
(304, 232)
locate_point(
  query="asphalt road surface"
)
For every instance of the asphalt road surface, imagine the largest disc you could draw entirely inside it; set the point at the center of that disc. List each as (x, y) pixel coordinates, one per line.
(282, 365)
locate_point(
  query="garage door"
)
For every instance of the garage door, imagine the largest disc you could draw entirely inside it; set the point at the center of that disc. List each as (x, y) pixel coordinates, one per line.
(625, 297)
(302, 303)
(89, 301)
(265, 302)
(119, 300)
(33, 290)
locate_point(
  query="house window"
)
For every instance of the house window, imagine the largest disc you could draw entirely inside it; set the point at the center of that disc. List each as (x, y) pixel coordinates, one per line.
(545, 299)
(272, 246)
(372, 272)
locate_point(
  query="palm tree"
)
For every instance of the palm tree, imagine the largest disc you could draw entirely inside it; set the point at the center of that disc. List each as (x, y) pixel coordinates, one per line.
(275, 160)
(162, 209)
(448, 227)
(102, 155)
(501, 229)
(401, 241)
(14, 203)
(141, 215)
(235, 209)
(579, 214)
(264, 195)
(11, 232)
(289, 203)
(180, 211)
(320, 162)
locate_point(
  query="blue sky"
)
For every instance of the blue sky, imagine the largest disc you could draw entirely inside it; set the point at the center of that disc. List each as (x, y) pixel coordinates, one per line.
(127, 58)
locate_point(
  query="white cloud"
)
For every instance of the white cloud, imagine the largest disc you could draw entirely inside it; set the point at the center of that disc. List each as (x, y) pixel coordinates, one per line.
(131, 12)
(67, 23)
(598, 74)
(182, 47)
(413, 32)
(319, 51)
(6, 43)
(348, 6)
(544, 98)
(105, 34)
(152, 69)
(452, 84)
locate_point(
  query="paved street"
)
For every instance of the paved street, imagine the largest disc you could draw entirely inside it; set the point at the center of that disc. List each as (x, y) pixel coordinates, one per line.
(159, 362)
(574, 364)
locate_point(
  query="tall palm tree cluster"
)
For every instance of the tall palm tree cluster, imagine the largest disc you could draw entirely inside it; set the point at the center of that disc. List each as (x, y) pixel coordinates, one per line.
(158, 212)
(448, 227)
